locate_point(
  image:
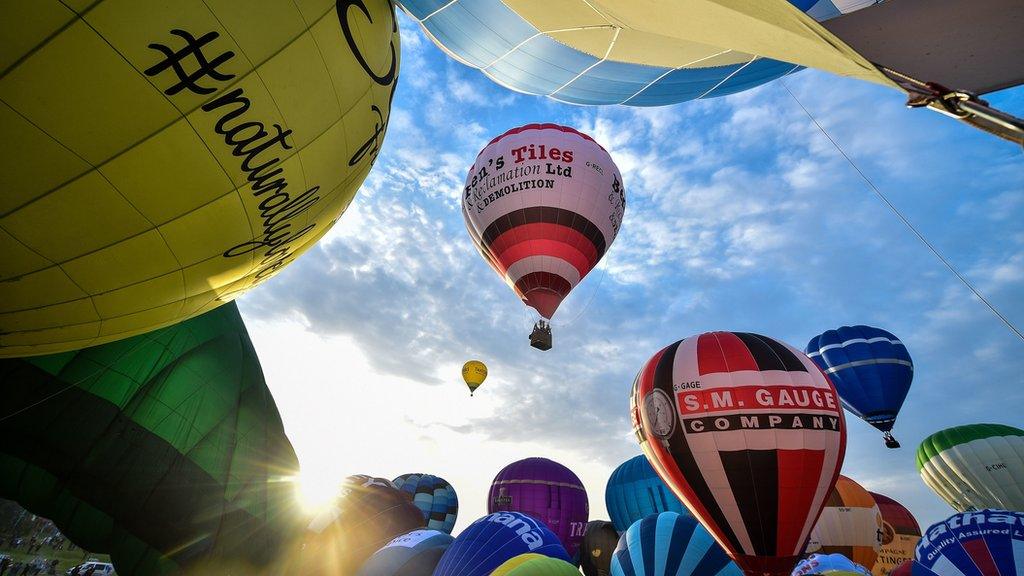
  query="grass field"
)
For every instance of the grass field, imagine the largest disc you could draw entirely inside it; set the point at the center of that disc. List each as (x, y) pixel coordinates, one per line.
(68, 558)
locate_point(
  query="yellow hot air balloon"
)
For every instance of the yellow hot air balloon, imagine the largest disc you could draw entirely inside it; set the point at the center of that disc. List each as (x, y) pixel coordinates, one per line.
(474, 373)
(850, 524)
(164, 157)
(531, 564)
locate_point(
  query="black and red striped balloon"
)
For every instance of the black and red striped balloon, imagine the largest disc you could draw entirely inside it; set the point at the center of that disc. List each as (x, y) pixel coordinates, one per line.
(750, 435)
(543, 203)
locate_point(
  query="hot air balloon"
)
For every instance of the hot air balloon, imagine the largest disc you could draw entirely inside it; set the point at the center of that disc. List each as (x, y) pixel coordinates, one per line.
(494, 539)
(634, 491)
(850, 524)
(535, 565)
(829, 565)
(900, 534)
(670, 544)
(749, 434)
(164, 450)
(474, 373)
(412, 554)
(975, 466)
(547, 491)
(367, 513)
(983, 543)
(170, 158)
(650, 53)
(599, 542)
(588, 57)
(543, 203)
(870, 368)
(435, 498)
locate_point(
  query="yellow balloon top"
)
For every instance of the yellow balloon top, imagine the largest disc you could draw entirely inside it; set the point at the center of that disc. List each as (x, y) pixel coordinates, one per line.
(474, 373)
(535, 565)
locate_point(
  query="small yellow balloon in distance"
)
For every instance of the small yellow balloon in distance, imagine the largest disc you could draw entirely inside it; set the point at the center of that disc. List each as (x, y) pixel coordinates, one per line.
(165, 157)
(474, 373)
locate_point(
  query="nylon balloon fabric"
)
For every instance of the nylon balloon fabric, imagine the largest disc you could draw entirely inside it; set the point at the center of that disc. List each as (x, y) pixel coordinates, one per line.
(670, 544)
(535, 565)
(494, 539)
(870, 368)
(367, 513)
(413, 554)
(975, 466)
(634, 490)
(547, 491)
(172, 156)
(900, 535)
(829, 565)
(581, 53)
(543, 203)
(850, 524)
(599, 542)
(434, 496)
(983, 543)
(749, 433)
(164, 450)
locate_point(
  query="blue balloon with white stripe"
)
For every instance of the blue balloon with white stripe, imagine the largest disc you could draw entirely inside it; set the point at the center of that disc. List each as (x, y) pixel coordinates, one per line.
(634, 490)
(670, 544)
(982, 543)
(492, 540)
(870, 368)
(434, 496)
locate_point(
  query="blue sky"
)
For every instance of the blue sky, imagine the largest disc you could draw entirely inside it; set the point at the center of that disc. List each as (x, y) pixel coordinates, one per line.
(740, 216)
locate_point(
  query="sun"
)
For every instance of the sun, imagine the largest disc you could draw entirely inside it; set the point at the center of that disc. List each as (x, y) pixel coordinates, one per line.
(316, 490)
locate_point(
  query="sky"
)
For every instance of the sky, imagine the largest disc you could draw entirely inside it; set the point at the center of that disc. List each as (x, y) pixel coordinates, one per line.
(740, 216)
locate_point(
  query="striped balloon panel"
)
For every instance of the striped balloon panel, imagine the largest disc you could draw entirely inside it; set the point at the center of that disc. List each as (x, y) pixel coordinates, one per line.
(492, 540)
(975, 466)
(850, 524)
(870, 368)
(983, 543)
(546, 490)
(634, 490)
(492, 36)
(543, 203)
(435, 498)
(900, 535)
(670, 544)
(749, 434)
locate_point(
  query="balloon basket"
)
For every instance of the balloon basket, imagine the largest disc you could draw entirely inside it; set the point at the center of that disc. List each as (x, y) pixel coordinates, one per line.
(891, 442)
(540, 338)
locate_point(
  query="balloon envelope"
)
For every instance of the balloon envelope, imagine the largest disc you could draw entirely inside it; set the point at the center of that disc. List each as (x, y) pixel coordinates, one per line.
(984, 543)
(220, 145)
(634, 490)
(590, 56)
(900, 534)
(850, 524)
(492, 540)
(435, 498)
(535, 565)
(870, 368)
(975, 466)
(829, 565)
(749, 433)
(670, 544)
(547, 491)
(474, 373)
(413, 554)
(543, 203)
(599, 542)
(162, 450)
(367, 514)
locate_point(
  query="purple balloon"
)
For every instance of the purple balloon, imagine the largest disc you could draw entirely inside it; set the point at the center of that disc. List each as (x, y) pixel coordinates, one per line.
(547, 491)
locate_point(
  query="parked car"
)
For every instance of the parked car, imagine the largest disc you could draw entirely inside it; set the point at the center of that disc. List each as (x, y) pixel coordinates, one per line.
(101, 569)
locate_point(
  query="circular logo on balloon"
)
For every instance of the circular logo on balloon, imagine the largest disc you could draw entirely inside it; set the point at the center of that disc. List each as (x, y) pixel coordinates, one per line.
(660, 413)
(888, 534)
(595, 552)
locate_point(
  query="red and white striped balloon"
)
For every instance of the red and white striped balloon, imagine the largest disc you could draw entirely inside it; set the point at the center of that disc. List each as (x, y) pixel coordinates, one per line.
(749, 434)
(543, 203)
